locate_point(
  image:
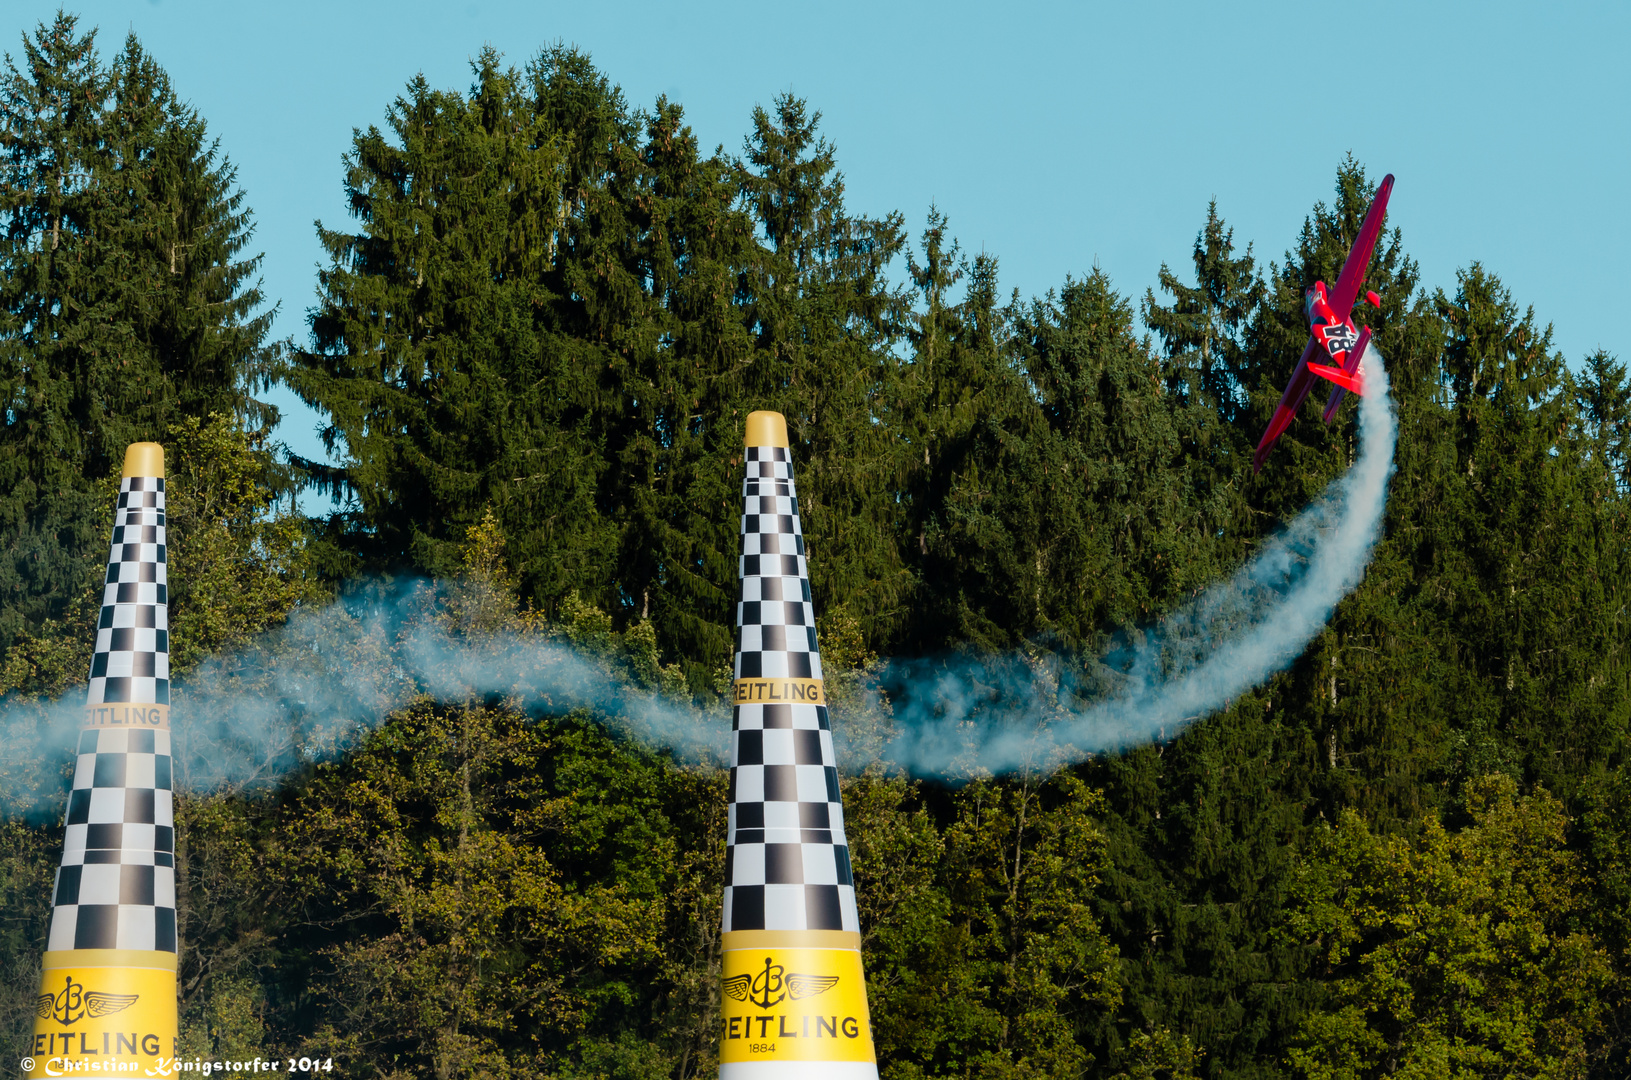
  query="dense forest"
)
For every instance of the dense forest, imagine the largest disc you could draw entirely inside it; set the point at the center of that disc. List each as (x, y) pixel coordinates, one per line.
(534, 344)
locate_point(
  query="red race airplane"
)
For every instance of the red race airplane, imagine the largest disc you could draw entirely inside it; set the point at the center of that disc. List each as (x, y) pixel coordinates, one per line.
(1334, 336)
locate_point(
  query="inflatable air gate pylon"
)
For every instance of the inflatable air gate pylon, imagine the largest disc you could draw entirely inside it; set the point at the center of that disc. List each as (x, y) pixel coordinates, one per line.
(794, 1000)
(107, 1000)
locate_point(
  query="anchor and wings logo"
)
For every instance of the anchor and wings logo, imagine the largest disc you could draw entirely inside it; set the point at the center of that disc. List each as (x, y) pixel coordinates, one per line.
(73, 1002)
(770, 986)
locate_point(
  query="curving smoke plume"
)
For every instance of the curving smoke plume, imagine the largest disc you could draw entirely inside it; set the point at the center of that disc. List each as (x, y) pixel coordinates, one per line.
(999, 717)
(308, 691)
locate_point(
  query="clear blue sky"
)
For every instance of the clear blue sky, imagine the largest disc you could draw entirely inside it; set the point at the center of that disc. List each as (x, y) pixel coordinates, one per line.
(1057, 136)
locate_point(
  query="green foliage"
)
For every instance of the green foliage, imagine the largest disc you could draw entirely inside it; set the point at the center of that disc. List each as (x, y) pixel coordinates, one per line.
(1451, 955)
(125, 304)
(1204, 327)
(490, 342)
(407, 835)
(982, 952)
(1159, 1055)
(481, 894)
(241, 562)
(54, 658)
(28, 858)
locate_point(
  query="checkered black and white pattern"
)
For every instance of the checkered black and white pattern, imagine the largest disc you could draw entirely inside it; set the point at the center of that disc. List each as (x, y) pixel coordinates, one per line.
(777, 636)
(787, 862)
(132, 659)
(116, 888)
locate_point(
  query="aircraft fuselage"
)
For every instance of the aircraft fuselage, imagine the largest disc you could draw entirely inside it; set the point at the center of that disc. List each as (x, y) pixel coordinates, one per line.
(1336, 336)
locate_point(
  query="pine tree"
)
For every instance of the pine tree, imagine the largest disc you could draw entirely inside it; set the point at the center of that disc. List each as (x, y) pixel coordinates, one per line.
(1603, 401)
(1133, 452)
(1202, 330)
(1541, 549)
(679, 442)
(965, 415)
(825, 319)
(538, 318)
(124, 305)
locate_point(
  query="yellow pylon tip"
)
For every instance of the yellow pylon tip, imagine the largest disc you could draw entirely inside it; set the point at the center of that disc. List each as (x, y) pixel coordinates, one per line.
(766, 429)
(147, 459)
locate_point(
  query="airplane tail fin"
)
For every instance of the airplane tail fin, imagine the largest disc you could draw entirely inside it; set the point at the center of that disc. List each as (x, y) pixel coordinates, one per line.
(1345, 380)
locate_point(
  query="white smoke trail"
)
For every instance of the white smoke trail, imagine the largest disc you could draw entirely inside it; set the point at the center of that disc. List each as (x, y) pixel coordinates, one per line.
(38, 737)
(246, 721)
(308, 692)
(954, 717)
(311, 690)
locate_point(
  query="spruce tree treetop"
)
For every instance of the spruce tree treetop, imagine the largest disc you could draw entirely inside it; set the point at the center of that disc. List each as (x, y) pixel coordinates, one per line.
(1203, 327)
(826, 318)
(125, 302)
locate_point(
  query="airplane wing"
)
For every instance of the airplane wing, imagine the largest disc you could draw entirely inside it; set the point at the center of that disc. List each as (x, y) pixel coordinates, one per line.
(1353, 271)
(1350, 365)
(1290, 401)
